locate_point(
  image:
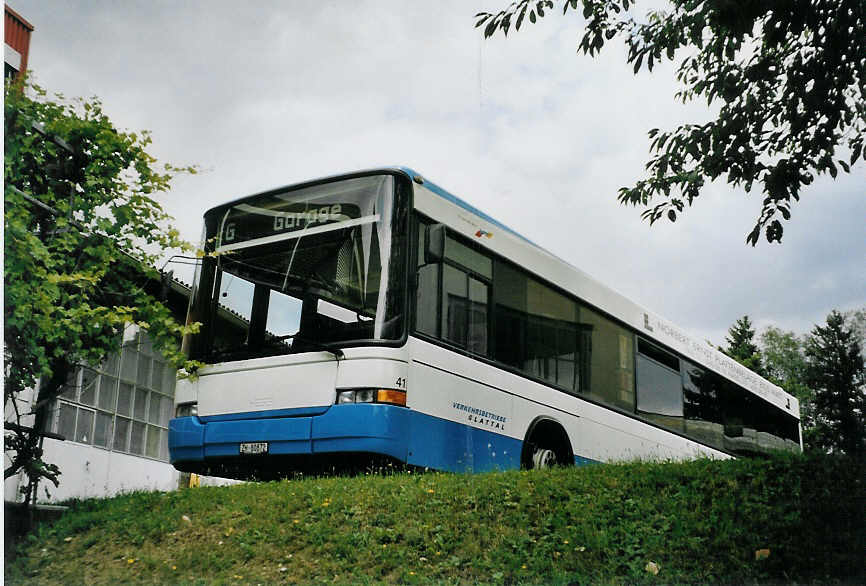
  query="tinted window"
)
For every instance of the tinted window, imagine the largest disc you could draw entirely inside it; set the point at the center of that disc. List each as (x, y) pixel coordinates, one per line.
(426, 301)
(468, 257)
(724, 415)
(427, 290)
(455, 304)
(536, 327)
(607, 360)
(659, 389)
(461, 315)
(476, 338)
(701, 407)
(659, 355)
(509, 315)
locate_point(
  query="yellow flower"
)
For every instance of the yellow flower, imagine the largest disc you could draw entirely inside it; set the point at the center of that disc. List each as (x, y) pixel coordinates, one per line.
(295, 521)
(130, 561)
(430, 490)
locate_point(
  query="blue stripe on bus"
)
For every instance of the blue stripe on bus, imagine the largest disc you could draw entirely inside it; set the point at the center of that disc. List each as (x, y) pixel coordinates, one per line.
(466, 206)
(581, 461)
(381, 429)
(447, 445)
(406, 435)
(185, 439)
(409, 436)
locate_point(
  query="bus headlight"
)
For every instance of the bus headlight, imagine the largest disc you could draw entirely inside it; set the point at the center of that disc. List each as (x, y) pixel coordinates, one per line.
(364, 396)
(392, 396)
(356, 396)
(186, 410)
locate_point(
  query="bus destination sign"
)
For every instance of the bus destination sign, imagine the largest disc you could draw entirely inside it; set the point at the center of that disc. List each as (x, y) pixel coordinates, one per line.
(250, 222)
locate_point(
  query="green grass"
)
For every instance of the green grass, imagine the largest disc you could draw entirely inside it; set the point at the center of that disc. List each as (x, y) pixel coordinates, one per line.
(697, 521)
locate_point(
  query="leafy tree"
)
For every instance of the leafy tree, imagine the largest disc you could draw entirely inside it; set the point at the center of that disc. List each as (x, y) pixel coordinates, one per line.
(785, 365)
(837, 373)
(82, 234)
(787, 78)
(741, 345)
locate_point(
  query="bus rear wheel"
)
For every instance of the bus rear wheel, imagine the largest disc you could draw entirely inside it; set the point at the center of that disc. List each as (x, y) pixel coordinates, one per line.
(546, 446)
(542, 458)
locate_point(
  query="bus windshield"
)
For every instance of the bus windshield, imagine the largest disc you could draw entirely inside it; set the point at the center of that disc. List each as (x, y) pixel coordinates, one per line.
(310, 269)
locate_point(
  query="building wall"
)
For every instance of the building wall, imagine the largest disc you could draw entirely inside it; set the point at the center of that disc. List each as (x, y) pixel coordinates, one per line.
(88, 472)
(122, 405)
(17, 40)
(114, 418)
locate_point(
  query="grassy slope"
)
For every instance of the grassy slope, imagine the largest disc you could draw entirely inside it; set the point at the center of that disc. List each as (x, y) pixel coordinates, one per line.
(698, 521)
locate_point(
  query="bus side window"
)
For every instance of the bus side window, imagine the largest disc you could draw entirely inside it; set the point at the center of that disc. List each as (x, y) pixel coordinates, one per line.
(427, 289)
(536, 328)
(455, 305)
(464, 310)
(466, 292)
(477, 334)
(460, 315)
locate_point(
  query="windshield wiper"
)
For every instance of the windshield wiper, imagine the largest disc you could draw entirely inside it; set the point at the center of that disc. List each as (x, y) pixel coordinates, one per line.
(338, 354)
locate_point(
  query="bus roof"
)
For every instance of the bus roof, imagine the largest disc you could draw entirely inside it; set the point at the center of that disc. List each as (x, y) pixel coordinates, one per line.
(440, 191)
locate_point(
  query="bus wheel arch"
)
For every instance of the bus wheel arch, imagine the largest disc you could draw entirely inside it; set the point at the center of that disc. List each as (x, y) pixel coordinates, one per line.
(546, 445)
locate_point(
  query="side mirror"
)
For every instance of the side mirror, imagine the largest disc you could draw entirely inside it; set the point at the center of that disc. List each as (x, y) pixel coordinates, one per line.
(434, 243)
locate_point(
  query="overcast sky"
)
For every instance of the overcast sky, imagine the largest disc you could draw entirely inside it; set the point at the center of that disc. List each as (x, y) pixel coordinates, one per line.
(266, 94)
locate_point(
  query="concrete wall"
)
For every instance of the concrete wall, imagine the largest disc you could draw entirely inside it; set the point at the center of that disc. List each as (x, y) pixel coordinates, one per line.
(88, 472)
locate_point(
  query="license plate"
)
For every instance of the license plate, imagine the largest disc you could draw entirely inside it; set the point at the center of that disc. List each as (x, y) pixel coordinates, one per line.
(254, 448)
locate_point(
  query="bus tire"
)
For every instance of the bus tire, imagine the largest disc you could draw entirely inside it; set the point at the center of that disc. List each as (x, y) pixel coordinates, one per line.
(546, 445)
(543, 458)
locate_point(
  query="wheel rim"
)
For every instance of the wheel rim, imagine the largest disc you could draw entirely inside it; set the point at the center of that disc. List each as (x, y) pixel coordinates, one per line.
(543, 458)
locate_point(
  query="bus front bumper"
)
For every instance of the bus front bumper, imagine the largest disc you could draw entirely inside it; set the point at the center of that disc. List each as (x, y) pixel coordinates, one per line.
(354, 428)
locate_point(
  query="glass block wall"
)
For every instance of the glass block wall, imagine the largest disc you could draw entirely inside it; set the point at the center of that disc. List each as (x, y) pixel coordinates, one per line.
(123, 405)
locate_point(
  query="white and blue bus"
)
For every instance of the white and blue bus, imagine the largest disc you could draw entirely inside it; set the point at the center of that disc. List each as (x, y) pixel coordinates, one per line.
(376, 315)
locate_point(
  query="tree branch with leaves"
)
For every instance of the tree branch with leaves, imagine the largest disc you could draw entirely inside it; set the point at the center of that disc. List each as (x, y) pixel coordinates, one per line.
(83, 232)
(788, 78)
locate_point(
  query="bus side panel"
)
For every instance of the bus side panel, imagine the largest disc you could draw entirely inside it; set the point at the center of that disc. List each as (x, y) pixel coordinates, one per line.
(596, 433)
(446, 445)
(458, 423)
(449, 379)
